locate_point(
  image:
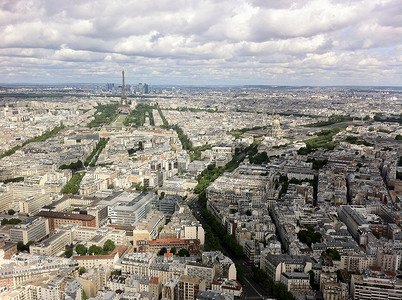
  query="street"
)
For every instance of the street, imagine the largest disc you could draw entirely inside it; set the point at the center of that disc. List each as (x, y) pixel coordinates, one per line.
(251, 289)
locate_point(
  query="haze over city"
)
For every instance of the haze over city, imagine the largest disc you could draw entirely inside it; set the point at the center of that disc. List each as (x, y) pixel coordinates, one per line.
(202, 42)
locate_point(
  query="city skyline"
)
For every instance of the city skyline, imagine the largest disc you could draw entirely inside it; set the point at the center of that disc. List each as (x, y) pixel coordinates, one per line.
(308, 43)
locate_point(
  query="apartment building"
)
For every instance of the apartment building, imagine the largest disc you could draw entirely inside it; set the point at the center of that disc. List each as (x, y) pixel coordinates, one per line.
(34, 230)
(375, 285)
(60, 218)
(188, 287)
(53, 245)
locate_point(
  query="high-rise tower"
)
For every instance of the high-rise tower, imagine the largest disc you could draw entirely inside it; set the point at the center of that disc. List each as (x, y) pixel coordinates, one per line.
(123, 100)
(124, 107)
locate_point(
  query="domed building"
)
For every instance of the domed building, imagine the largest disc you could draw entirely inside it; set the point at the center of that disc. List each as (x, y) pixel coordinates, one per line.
(276, 128)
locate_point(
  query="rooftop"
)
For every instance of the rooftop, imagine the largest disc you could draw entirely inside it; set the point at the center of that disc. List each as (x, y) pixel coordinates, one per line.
(63, 215)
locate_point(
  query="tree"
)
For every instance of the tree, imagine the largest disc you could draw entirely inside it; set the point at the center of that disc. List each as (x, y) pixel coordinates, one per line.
(173, 250)
(29, 244)
(81, 249)
(20, 246)
(68, 253)
(11, 212)
(82, 270)
(73, 184)
(281, 292)
(240, 274)
(309, 236)
(73, 166)
(314, 285)
(376, 234)
(14, 221)
(162, 251)
(259, 274)
(259, 158)
(96, 250)
(232, 244)
(109, 245)
(333, 253)
(184, 252)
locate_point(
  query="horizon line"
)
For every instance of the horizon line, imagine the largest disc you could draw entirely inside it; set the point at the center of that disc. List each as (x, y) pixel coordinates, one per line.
(199, 86)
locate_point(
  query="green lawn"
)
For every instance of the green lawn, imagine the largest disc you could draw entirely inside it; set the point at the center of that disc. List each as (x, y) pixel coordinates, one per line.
(120, 120)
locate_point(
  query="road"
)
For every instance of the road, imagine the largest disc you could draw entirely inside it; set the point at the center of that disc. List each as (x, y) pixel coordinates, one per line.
(252, 289)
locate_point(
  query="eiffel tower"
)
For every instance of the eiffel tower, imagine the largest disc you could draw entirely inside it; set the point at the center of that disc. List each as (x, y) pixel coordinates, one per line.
(123, 101)
(124, 108)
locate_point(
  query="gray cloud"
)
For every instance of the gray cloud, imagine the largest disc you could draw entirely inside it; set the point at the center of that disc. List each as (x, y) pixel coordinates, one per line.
(227, 41)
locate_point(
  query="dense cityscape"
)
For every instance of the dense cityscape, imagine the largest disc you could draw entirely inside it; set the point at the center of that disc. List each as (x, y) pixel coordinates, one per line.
(135, 191)
(200, 150)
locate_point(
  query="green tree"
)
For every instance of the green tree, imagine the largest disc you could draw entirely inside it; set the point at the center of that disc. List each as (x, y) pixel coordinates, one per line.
(81, 249)
(105, 114)
(376, 234)
(232, 244)
(259, 158)
(96, 250)
(183, 252)
(281, 292)
(314, 285)
(20, 246)
(240, 274)
(73, 184)
(309, 236)
(173, 250)
(14, 221)
(68, 252)
(16, 179)
(82, 270)
(162, 251)
(11, 212)
(339, 276)
(259, 274)
(73, 166)
(109, 245)
(333, 253)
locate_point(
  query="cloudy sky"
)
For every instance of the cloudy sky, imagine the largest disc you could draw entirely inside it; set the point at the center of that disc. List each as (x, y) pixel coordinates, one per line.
(197, 42)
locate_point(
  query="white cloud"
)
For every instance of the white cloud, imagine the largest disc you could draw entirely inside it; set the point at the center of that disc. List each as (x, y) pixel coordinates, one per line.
(227, 41)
